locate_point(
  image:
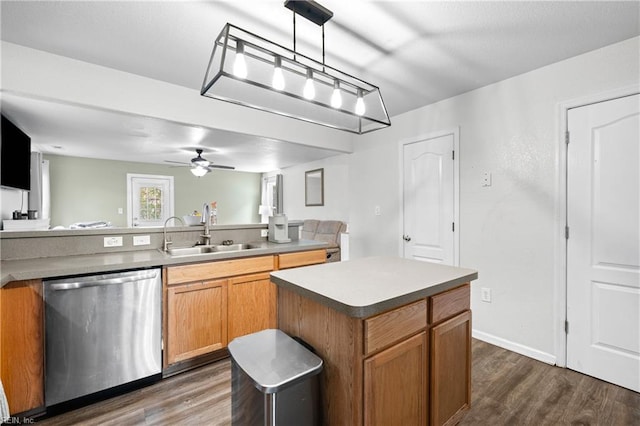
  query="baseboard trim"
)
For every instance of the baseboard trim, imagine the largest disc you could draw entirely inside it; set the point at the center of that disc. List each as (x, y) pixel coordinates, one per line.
(545, 357)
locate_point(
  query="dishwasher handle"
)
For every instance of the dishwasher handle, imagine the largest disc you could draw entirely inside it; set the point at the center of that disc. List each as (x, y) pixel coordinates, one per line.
(105, 281)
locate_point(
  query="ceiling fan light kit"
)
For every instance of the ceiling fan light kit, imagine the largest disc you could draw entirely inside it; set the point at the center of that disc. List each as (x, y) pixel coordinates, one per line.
(199, 171)
(251, 71)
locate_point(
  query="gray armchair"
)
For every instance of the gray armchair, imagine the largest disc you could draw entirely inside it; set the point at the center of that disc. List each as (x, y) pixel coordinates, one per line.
(327, 231)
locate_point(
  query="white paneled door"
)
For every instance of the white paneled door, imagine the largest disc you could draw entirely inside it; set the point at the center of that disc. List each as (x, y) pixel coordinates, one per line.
(603, 248)
(429, 199)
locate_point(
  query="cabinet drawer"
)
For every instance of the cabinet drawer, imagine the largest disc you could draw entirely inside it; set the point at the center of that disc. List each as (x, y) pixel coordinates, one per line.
(218, 269)
(302, 258)
(389, 327)
(449, 303)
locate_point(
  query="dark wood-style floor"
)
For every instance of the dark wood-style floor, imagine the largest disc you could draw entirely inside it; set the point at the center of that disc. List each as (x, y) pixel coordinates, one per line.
(508, 389)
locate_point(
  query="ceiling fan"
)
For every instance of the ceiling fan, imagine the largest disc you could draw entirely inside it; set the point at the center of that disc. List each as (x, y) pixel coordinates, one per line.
(200, 166)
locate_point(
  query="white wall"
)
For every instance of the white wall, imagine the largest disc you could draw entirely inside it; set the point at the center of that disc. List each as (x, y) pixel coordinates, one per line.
(508, 230)
(336, 201)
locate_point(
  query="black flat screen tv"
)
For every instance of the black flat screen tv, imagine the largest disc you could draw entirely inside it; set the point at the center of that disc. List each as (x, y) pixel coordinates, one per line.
(15, 157)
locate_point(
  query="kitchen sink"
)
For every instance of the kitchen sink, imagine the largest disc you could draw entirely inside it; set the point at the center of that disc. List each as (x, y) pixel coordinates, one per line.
(190, 251)
(231, 247)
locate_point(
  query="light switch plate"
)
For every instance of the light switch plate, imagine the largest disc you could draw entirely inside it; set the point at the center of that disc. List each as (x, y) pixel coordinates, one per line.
(486, 179)
(113, 241)
(485, 294)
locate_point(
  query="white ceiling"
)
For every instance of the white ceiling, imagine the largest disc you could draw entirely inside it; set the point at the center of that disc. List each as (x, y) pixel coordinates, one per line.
(417, 52)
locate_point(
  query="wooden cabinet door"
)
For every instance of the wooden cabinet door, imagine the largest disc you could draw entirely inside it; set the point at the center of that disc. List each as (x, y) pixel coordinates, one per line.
(395, 384)
(252, 304)
(22, 344)
(450, 369)
(197, 319)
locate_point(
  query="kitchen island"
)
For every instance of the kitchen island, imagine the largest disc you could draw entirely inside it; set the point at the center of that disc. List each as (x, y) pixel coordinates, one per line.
(394, 334)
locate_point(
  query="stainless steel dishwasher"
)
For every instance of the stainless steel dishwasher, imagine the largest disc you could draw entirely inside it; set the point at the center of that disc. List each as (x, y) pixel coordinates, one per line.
(101, 331)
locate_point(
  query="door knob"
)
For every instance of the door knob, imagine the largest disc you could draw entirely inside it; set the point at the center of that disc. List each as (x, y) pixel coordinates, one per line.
(406, 238)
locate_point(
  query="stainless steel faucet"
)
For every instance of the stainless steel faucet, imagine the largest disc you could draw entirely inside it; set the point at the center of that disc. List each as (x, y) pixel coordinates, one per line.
(206, 213)
(165, 241)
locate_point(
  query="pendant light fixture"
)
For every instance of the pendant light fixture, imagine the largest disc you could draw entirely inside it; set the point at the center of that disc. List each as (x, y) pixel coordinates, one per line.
(252, 71)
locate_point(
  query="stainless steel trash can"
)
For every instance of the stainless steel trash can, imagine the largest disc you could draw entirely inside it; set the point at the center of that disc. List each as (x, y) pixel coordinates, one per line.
(274, 381)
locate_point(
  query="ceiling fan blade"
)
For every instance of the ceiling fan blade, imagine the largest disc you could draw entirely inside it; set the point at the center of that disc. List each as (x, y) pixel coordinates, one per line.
(199, 162)
(216, 166)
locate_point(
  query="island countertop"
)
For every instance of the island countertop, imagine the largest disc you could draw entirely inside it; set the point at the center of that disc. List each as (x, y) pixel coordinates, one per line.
(368, 286)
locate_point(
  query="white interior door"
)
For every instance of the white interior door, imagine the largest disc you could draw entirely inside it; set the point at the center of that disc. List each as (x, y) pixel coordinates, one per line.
(429, 199)
(603, 249)
(149, 199)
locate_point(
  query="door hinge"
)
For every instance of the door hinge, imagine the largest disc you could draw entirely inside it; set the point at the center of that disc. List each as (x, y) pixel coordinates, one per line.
(566, 137)
(566, 232)
(453, 155)
(566, 327)
(453, 227)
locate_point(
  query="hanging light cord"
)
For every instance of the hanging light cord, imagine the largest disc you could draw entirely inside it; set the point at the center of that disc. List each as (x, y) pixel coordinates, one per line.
(294, 42)
(323, 69)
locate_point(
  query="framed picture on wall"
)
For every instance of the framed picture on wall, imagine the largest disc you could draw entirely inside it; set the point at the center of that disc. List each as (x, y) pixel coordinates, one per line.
(314, 187)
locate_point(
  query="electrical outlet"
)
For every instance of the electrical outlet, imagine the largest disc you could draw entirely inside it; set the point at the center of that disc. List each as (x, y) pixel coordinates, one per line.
(141, 240)
(376, 211)
(113, 241)
(485, 294)
(264, 232)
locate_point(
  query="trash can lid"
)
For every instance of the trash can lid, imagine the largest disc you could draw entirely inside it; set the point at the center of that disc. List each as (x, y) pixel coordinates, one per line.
(273, 360)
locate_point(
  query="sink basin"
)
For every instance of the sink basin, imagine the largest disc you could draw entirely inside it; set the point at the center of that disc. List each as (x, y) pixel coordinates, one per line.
(190, 251)
(231, 247)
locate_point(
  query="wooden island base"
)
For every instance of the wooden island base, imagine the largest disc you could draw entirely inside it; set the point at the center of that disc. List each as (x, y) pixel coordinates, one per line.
(410, 365)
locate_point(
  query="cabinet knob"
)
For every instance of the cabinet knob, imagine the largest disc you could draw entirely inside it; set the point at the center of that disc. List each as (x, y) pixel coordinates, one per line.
(406, 238)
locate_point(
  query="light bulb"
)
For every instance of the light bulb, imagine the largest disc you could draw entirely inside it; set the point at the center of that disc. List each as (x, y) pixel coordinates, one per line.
(336, 97)
(278, 77)
(240, 64)
(360, 109)
(309, 91)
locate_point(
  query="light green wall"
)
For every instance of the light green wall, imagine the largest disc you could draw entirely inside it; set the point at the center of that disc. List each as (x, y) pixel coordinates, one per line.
(84, 189)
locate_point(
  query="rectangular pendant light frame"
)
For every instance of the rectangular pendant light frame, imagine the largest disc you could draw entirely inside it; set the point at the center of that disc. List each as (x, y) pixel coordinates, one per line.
(256, 91)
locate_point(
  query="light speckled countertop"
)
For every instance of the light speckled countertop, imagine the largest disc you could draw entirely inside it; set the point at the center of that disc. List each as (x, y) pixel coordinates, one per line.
(368, 286)
(50, 267)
